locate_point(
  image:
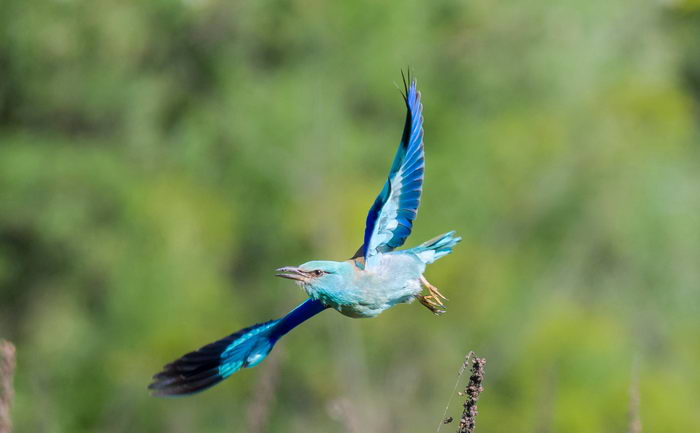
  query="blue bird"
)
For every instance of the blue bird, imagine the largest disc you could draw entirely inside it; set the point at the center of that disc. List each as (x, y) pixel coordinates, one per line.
(376, 278)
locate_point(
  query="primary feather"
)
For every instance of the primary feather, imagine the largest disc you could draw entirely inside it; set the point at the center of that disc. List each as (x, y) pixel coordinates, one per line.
(390, 218)
(209, 365)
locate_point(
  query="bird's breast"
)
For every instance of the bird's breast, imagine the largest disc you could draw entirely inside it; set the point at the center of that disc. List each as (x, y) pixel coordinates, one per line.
(371, 291)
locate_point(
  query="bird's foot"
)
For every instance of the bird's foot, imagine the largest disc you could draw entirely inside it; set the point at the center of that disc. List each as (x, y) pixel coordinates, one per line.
(431, 303)
(434, 292)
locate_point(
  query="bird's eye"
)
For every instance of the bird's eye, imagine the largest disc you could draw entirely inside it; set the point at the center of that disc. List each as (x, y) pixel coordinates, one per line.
(318, 272)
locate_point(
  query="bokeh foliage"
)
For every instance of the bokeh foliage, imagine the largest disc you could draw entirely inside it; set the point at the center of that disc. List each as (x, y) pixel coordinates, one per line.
(159, 159)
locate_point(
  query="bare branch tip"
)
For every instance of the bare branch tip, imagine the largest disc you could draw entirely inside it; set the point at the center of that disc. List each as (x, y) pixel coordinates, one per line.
(7, 370)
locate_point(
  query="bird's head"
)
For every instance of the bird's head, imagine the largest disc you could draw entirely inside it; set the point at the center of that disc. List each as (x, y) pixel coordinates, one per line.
(317, 275)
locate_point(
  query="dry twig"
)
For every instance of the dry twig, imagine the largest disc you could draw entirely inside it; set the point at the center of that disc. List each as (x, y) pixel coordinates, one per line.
(7, 370)
(468, 421)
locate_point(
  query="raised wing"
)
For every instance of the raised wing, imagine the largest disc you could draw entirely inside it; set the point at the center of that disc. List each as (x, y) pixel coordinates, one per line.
(390, 218)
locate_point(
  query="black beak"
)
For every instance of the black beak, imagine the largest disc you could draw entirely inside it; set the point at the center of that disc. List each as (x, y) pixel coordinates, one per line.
(292, 273)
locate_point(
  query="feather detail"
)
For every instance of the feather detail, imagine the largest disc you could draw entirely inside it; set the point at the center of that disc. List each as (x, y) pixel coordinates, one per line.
(390, 219)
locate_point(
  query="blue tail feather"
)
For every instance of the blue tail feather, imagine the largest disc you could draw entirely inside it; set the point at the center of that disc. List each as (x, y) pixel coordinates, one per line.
(437, 247)
(209, 365)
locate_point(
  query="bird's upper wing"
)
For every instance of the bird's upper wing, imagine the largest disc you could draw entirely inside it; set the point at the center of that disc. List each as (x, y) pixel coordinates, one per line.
(390, 218)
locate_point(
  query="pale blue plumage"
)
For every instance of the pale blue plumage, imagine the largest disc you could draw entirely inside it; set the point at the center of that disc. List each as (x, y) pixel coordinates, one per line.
(375, 279)
(394, 279)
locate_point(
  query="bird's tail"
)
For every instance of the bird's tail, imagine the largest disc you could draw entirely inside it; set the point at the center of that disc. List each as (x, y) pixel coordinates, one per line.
(209, 365)
(437, 247)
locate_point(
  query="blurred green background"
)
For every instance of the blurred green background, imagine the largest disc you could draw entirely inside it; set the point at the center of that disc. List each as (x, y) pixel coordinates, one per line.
(159, 159)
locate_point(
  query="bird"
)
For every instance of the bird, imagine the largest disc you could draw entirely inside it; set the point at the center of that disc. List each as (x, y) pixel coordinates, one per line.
(374, 279)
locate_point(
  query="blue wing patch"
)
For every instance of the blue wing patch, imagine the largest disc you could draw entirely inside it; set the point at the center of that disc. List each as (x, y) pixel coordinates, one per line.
(390, 218)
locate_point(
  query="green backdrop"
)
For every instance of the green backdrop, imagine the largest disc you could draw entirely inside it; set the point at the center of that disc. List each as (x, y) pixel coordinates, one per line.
(159, 159)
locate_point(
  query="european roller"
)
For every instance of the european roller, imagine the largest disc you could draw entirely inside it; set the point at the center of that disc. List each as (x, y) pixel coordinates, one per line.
(376, 278)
